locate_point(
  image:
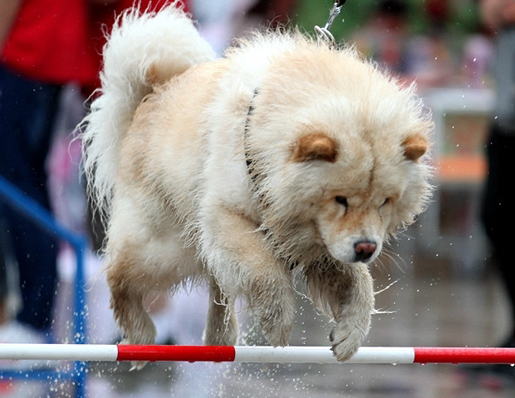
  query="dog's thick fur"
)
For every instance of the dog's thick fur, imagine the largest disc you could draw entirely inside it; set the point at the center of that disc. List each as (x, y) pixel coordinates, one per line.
(286, 157)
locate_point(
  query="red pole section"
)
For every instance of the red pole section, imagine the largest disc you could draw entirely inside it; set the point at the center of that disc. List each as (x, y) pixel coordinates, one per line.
(175, 353)
(457, 355)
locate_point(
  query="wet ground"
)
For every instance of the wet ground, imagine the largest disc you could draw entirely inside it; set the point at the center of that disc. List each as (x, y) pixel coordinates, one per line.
(420, 310)
(427, 303)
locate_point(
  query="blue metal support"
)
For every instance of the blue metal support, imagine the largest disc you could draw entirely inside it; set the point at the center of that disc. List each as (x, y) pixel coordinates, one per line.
(40, 216)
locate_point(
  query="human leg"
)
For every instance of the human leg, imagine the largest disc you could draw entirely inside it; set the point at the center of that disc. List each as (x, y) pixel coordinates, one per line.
(27, 114)
(498, 211)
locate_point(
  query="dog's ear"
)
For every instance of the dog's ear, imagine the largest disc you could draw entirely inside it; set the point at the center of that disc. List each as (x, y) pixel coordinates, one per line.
(415, 146)
(157, 74)
(315, 146)
(152, 75)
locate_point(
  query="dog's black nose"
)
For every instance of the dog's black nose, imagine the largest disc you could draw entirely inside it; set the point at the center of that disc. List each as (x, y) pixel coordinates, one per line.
(364, 249)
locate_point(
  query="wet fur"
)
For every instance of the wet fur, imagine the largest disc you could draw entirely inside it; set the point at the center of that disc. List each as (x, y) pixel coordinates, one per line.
(233, 170)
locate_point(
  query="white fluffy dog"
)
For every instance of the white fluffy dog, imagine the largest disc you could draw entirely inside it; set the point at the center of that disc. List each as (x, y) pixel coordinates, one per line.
(285, 158)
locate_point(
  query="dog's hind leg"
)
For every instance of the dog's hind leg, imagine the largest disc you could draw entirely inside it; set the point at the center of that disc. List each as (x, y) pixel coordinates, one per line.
(221, 325)
(131, 277)
(127, 293)
(346, 294)
(142, 257)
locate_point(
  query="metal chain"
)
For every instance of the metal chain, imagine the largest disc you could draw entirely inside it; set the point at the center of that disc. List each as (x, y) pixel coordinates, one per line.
(323, 33)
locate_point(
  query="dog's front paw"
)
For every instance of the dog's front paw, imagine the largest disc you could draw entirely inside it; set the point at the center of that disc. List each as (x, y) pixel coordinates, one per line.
(220, 331)
(345, 340)
(276, 326)
(276, 317)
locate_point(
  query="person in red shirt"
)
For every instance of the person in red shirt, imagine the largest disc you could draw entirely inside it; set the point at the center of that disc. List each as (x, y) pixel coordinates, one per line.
(44, 45)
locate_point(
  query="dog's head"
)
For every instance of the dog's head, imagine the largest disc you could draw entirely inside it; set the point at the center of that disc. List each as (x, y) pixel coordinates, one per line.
(364, 192)
(341, 152)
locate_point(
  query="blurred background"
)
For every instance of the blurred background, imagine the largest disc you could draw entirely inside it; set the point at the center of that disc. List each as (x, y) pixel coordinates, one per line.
(446, 281)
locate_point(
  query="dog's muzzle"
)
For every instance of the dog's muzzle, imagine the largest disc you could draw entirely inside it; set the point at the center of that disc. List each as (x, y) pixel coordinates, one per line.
(364, 250)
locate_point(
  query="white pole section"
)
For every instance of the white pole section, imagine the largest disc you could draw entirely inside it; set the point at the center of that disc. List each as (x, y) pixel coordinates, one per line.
(59, 352)
(376, 355)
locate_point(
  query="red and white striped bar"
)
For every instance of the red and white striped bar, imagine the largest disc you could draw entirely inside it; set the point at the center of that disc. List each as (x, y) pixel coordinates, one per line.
(300, 354)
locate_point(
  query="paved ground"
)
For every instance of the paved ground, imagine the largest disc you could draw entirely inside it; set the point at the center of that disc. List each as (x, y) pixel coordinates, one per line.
(424, 304)
(426, 311)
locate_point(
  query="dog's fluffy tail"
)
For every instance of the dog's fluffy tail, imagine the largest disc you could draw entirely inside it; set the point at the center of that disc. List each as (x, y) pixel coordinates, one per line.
(142, 50)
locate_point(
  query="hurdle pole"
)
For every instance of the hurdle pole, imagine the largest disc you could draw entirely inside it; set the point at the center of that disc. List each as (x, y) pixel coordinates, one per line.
(254, 354)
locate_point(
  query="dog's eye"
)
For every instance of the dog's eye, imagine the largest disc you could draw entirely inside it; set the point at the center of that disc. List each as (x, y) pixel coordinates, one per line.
(386, 201)
(342, 200)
